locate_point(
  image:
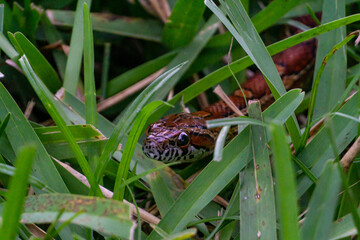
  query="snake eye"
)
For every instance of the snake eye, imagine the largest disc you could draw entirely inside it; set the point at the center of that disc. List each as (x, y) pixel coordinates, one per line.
(183, 140)
(148, 130)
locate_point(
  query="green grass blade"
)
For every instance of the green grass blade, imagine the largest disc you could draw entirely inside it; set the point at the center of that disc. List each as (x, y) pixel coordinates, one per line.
(343, 227)
(222, 73)
(16, 196)
(315, 88)
(80, 133)
(73, 64)
(183, 23)
(2, 7)
(285, 184)
(319, 150)
(6, 47)
(19, 133)
(245, 33)
(105, 69)
(44, 96)
(103, 215)
(138, 73)
(38, 62)
(332, 80)
(163, 195)
(129, 115)
(272, 13)
(10, 171)
(188, 54)
(203, 189)
(89, 82)
(279, 111)
(318, 221)
(144, 164)
(90, 91)
(143, 174)
(146, 29)
(128, 152)
(220, 143)
(257, 203)
(4, 124)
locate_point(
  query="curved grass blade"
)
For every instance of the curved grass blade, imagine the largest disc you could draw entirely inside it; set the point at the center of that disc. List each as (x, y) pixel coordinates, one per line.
(8, 49)
(233, 121)
(75, 109)
(19, 133)
(103, 215)
(203, 189)
(138, 73)
(222, 73)
(38, 62)
(279, 111)
(319, 150)
(315, 88)
(131, 142)
(220, 143)
(285, 184)
(16, 196)
(45, 97)
(332, 80)
(257, 203)
(129, 115)
(234, 200)
(73, 64)
(318, 221)
(188, 54)
(245, 33)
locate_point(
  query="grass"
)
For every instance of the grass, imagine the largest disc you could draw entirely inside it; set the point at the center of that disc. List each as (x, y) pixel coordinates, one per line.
(64, 55)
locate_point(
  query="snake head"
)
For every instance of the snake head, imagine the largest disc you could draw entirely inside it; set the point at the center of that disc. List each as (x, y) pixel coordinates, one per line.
(178, 137)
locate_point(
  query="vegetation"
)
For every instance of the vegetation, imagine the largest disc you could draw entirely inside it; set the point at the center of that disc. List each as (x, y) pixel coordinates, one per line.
(82, 80)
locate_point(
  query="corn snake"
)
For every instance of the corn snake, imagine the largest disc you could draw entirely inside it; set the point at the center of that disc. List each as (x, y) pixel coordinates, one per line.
(184, 136)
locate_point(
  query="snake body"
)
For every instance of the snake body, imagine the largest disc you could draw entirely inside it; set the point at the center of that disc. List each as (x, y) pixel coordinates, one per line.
(184, 136)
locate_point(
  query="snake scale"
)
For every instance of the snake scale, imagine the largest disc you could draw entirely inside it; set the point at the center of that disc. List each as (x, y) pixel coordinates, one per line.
(184, 136)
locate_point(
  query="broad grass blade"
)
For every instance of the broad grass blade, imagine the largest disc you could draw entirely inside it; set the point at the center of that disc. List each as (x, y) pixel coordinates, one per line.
(19, 133)
(17, 191)
(46, 98)
(285, 184)
(183, 23)
(257, 202)
(332, 81)
(318, 219)
(38, 62)
(103, 215)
